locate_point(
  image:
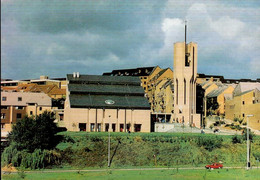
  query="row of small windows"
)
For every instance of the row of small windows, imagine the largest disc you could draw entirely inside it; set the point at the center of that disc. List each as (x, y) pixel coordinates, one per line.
(18, 107)
(254, 101)
(4, 98)
(18, 116)
(83, 127)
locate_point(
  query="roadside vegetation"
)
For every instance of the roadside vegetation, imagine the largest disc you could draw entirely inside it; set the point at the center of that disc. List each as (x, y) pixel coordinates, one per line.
(84, 150)
(32, 143)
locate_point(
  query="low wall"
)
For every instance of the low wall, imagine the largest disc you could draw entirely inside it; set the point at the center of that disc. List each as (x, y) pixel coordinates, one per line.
(163, 127)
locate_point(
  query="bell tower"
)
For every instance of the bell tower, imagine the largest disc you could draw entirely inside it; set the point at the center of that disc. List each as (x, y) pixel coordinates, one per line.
(185, 71)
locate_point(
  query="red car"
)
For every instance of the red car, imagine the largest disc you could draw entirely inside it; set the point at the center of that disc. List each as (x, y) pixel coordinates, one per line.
(214, 166)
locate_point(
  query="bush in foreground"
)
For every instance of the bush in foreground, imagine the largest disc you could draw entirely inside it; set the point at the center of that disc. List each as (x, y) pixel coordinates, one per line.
(31, 141)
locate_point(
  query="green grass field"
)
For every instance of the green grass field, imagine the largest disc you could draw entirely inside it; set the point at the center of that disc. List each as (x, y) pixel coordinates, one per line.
(144, 174)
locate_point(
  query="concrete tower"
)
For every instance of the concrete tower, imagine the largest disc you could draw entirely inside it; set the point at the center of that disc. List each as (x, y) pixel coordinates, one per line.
(185, 71)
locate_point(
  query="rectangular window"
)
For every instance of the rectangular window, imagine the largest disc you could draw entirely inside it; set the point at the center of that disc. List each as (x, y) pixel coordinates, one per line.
(243, 115)
(121, 127)
(106, 127)
(31, 113)
(61, 117)
(4, 98)
(104, 113)
(18, 116)
(19, 107)
(82, 126)
(19, 98)
(128, 127)
(2, 115)
(40, 108)
(4, 107)
(187, 63)
(114, 127)
(243, 102)
(138, 127)
(2, 125)
(99, 127)
(92, 127)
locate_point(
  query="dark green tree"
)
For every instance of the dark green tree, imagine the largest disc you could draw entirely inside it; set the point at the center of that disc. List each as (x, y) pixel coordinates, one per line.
(212, 105)
(30, 134)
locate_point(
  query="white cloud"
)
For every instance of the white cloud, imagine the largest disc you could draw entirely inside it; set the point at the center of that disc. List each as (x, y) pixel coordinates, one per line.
(173, 30)
(228, 27)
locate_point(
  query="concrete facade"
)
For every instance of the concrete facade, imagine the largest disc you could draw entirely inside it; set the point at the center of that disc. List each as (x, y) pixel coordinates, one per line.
(125, 114)
(185, 73)
(121, 120)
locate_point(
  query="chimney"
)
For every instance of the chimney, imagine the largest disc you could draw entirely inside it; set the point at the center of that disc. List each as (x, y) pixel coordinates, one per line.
(74, 75)
(77, 74)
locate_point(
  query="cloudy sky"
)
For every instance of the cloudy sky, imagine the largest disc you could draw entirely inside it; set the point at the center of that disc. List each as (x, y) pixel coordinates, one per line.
(56, 37)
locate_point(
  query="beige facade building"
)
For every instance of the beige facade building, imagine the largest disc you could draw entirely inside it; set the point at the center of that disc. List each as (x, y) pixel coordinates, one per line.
(103, 103)
(15, 105)
(220, 95)
(245, 101)
(158, 93)
(164, 100)
(185, 73)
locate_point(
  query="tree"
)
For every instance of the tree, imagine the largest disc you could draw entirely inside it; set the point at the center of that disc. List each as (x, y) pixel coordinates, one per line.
(30, 134)
(212, 104)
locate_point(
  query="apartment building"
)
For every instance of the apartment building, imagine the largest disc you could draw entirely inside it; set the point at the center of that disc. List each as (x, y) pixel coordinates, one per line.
(15, 105)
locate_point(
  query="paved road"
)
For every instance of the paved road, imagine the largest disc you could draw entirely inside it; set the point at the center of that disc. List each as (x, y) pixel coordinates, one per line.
(129, 169)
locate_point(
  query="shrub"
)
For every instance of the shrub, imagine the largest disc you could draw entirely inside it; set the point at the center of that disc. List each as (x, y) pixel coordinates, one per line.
(256, 155)
(209, 143)
(236, 139)
(236, 119)
(30, 134)
(37, 159)
(251, 135)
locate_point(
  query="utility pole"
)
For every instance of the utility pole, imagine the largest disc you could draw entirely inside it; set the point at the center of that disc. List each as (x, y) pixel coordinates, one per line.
(248, 155)
(108, 151)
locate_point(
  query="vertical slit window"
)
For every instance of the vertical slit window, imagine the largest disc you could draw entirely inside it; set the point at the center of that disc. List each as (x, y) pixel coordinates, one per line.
(184, 91)
(104, 113)
(177, 89)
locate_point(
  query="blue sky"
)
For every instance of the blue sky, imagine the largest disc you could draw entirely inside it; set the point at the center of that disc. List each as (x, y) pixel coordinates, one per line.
(56, 37)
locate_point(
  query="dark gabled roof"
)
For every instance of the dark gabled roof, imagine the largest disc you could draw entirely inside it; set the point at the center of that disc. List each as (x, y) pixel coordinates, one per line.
(105, 89)
(209, 76)
(59, 79)
(98, 101)
(96, 79)
(91, 91)
(141, 71)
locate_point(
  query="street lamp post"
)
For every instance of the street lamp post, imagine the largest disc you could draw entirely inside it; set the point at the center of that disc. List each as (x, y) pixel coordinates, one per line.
(108, 151)
(248, 155)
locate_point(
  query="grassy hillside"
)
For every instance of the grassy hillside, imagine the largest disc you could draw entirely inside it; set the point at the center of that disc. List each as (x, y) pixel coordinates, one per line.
(82, 149)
